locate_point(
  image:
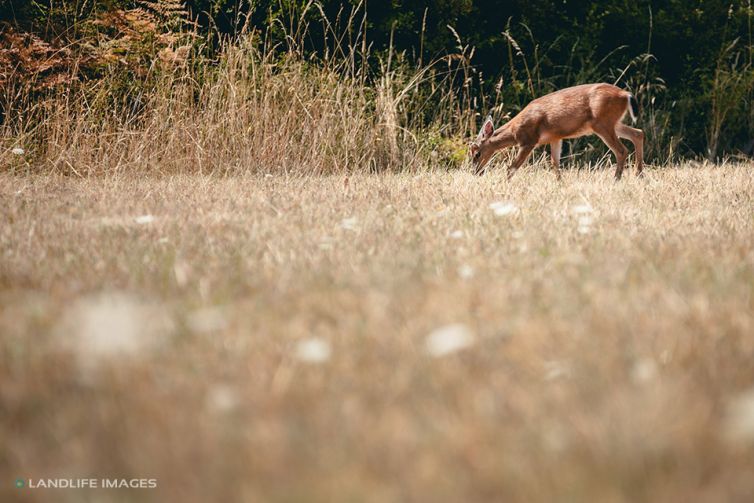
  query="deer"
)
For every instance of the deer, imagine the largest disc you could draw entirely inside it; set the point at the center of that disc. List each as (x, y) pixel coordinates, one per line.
(568, 113)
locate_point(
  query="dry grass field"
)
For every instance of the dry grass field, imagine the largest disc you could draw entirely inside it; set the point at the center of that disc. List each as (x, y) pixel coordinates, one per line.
(377, 338)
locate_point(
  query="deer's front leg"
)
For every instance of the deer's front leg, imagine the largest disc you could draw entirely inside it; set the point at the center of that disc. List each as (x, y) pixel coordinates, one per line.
(523, 153)
(555, 149)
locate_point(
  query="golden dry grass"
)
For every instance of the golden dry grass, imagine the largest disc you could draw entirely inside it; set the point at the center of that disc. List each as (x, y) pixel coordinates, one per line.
(607, 364)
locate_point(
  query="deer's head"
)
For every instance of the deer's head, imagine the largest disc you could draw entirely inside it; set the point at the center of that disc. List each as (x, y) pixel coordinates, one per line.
(481, 150)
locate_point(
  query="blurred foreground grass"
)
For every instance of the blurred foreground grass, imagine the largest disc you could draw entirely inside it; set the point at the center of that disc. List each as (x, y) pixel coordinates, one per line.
(437, 337)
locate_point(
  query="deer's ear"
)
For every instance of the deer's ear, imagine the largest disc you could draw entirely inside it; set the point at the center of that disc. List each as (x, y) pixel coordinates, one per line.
(487, 129)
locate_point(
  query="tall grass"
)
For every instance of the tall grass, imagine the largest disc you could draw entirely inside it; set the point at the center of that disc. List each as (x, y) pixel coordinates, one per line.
(252, 105)
(267, 102)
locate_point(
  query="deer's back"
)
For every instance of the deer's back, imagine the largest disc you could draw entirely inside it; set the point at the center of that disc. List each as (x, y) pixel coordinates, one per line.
(570, 112)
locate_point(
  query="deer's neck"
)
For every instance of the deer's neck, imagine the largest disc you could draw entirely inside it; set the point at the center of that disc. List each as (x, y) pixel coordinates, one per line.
(504, 136)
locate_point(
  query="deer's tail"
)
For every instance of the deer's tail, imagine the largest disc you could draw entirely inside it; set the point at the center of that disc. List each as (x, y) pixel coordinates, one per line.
(633, 108)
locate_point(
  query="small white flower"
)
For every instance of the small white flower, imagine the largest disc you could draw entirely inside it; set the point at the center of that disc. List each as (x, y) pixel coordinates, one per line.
(738, 424)
(456, 235)
(182, 272)
(208, 319)
(581, 209)
(113, 221)
(268, 175)
(644, 370)
(584, 213)
(503, 209)
(585, 224)
(350, 224)
(109, 328)
(466, 271)
(222, 398)
(18, 151)
(110, 325)
(313, 350)
(144, 219)
(556, 370)
(449, 339)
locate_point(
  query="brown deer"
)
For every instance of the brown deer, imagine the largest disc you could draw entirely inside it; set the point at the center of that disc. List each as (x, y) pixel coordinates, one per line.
(568, 113)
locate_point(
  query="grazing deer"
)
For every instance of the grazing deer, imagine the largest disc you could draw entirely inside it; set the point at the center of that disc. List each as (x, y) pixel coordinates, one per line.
(568, 113)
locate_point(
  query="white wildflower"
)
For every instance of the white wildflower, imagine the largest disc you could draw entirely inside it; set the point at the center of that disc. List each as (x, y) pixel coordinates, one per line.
(738, 424)
(456, 235)
(503, 209)
(585, 213)
(110, 328)
(585, 224)
(644, 370)
(466, 271)
(144, 219)
(112, 221)
(222, 398)
(350, 224)
(207, 319)
(18, 151)
(581, 209)
(557, 370)
(182, 272)
(449, 339)
(313, 350)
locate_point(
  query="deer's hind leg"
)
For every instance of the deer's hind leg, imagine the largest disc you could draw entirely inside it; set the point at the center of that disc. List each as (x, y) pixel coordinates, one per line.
(635, 136)
(610, 137)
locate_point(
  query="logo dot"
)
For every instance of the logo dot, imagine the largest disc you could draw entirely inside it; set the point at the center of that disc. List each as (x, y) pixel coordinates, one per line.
(19, 483)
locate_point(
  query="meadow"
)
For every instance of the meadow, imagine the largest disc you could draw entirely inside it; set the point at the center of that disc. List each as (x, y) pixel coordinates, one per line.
(253, 264)
(425, 336)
